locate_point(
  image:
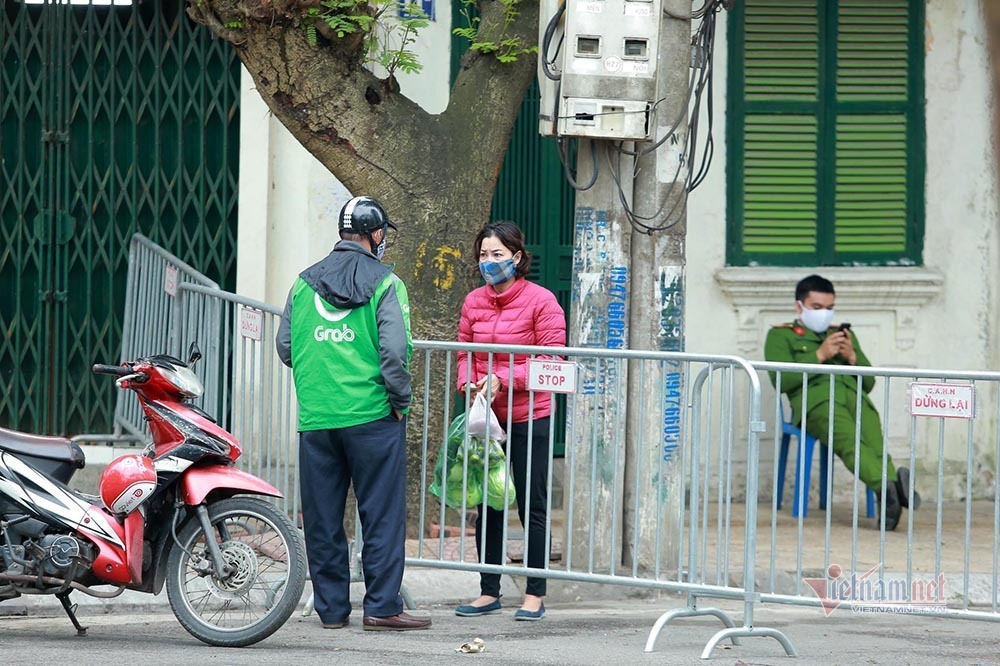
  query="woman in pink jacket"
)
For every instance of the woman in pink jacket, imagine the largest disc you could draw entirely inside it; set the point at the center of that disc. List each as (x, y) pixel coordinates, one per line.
(510, 310)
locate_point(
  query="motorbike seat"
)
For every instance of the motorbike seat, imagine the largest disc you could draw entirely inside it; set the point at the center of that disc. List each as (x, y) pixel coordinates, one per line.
(36, 446)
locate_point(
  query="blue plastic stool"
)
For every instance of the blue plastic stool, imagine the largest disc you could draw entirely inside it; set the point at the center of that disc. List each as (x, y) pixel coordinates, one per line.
(789, 430)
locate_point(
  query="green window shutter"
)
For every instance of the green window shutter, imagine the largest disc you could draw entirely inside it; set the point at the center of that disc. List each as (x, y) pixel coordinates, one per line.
(872, 50)
(871, 184)
(871, 207)
(780, 184)
(825, 132)
(782, 61)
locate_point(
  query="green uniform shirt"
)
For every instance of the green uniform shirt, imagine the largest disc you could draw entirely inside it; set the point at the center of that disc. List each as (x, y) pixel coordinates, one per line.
(794, 343)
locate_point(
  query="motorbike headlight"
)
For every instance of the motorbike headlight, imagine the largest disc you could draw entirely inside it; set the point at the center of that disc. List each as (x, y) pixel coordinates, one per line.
(184, 381)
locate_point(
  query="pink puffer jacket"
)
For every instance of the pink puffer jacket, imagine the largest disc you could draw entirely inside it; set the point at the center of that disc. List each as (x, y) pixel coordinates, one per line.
(525, 314)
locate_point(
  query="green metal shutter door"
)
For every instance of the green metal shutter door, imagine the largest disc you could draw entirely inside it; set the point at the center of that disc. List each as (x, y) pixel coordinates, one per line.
(113, 119)
(22, 201)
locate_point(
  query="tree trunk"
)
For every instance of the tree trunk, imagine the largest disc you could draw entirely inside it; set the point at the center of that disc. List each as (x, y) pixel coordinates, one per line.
(435, 174)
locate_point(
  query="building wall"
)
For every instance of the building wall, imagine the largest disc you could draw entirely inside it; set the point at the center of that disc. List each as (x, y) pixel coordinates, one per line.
(940, 315)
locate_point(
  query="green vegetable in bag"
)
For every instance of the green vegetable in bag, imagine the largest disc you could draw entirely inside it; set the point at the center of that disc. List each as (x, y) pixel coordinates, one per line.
(470, 454)
(499, 487)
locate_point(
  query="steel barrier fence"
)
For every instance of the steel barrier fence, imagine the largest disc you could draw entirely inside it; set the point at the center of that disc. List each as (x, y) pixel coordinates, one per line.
(150, 324)
(640, 513)
(663, 509)
(256, 401)
(943, 558)
(657, 552)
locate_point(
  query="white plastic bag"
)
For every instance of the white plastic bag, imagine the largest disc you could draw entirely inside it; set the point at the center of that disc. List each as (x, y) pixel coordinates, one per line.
(481, 418)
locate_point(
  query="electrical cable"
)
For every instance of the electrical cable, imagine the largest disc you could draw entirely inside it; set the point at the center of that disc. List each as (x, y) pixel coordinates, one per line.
(550, 30)
(702, 44)
(694, 159)
(571, 176)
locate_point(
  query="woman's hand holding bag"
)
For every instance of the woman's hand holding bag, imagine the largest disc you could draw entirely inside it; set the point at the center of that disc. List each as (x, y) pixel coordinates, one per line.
(482, 422)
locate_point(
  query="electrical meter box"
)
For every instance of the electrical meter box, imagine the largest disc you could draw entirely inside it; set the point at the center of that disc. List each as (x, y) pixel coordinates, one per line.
(608, 55)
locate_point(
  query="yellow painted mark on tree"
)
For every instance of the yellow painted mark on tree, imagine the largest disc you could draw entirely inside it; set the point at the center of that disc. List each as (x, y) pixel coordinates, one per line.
(444, 261)
(421, 253)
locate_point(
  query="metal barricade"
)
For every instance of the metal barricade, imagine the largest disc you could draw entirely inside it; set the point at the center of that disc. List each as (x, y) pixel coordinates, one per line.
(653, 529)
(652, 490)
(661, 509)
(942, 560)
(152, 315)
(659, 503)
(150, 326)
(255, 395)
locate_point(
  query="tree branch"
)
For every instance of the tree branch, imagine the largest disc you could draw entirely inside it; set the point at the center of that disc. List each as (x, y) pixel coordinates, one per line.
(487, 90)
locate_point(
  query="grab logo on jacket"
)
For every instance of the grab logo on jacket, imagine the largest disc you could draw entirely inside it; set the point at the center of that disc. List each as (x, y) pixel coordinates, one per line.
(342, 334)
(321, 334)
(333, 316)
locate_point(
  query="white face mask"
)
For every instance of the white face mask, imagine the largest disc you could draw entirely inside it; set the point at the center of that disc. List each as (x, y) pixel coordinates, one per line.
(817, 321)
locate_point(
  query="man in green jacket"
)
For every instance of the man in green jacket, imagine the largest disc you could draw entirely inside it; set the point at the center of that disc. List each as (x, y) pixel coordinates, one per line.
(345, 333)
(812, 339)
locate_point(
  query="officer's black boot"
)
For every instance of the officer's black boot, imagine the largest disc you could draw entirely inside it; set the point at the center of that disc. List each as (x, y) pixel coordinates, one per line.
(903, 489)
(893, 509)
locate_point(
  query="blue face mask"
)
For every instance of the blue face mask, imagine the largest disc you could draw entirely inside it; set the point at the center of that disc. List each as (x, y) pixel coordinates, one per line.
(497, 272)
(380, 248)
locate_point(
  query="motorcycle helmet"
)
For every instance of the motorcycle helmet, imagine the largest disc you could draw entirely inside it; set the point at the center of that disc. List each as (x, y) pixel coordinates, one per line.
(127, 482)
(363, 215)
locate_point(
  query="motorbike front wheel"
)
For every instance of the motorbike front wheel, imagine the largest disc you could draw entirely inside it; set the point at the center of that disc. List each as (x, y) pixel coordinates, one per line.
(267, 574)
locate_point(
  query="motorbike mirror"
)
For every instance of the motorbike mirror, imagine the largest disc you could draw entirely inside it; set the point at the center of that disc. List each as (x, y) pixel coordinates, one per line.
(194, 354)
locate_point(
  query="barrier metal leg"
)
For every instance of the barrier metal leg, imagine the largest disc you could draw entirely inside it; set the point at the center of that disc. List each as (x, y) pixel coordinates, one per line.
(407, 599)
(690, 611)
(308, 608)
(748, 632)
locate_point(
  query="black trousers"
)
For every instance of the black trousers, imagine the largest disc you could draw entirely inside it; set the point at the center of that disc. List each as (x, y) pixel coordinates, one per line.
(518, 453)
(373, 456)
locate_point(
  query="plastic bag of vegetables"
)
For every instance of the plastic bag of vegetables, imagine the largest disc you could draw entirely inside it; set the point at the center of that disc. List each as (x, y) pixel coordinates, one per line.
(462, 466)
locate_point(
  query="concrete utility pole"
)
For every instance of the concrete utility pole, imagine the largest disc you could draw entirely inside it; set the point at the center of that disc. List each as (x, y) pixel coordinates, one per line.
(595, 457)
(628, 292)
(657, 310)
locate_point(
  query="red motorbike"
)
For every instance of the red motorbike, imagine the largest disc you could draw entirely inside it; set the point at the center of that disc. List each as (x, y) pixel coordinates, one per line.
(234, 565)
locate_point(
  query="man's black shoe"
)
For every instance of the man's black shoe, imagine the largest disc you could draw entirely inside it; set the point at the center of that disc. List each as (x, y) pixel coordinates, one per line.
(903, 488)
(893, 509)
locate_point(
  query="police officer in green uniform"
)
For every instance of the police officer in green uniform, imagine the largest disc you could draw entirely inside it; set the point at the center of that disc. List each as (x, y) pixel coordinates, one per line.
(812, 339)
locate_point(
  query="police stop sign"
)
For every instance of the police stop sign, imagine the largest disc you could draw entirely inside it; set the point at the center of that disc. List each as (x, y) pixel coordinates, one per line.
(551, 376)
(949, 401)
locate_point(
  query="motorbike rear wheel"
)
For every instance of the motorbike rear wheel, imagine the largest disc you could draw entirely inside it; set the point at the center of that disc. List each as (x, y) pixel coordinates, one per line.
(267, 558)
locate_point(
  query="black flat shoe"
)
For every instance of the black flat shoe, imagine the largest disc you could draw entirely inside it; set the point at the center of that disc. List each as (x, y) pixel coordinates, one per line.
(893, 509)
(468, 610)
(903, 487)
